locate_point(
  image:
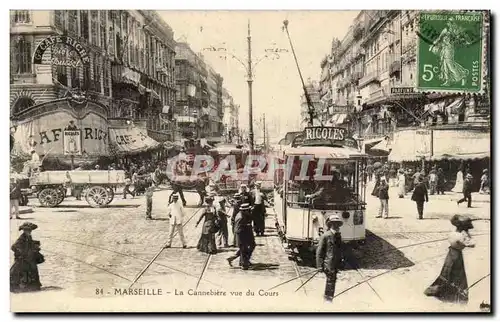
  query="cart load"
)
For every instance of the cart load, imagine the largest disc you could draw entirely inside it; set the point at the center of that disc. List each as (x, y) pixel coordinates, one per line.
(98, 186)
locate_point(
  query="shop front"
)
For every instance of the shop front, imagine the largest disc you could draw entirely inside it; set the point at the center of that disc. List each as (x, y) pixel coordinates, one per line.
(450, 148)
(62, 132)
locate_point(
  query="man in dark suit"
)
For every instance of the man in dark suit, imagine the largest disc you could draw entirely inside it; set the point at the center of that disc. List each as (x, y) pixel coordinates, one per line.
(467, 191)
(245, 237)
(329, 254)
(420, 196)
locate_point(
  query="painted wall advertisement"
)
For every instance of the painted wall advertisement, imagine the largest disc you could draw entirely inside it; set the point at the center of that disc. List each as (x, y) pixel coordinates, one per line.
(59, 133)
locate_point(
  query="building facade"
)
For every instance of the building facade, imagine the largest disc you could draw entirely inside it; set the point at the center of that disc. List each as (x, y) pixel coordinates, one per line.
(192, 101)
(231, 116)
(373, 72)
(130, 67)
(373, 75)
(216, 127)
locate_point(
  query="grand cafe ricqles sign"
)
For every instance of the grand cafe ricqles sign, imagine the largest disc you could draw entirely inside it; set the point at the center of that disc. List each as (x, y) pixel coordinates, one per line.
(66, 51)
(65, 126)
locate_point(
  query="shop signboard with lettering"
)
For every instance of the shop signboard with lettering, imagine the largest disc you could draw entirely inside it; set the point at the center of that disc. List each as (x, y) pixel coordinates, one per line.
(72, 142)
(65, 51)
(327, 135)
(59, 133)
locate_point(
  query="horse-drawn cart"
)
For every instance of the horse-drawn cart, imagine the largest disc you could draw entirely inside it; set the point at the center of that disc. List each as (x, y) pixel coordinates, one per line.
(97, 186)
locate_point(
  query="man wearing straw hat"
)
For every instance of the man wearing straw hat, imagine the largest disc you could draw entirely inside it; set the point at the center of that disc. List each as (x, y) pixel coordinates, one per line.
(329, 254)
(176, 213)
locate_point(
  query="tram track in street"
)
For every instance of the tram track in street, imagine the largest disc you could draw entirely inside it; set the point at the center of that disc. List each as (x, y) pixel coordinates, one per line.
(129, 256)
(309, 270)
(145, 268)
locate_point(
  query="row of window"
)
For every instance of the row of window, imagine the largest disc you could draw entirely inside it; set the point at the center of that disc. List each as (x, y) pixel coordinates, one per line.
(121, 35)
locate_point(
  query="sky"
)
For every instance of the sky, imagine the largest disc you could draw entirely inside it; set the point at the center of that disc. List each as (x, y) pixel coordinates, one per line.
(277, 87)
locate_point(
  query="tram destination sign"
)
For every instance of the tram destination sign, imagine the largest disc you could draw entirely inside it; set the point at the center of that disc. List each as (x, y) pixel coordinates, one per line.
(324, 133)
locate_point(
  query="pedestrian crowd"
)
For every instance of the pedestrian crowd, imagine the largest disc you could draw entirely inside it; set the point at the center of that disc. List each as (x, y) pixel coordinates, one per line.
(420, 185)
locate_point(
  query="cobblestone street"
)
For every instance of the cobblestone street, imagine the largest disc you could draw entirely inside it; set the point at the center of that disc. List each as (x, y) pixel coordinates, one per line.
(89, 251)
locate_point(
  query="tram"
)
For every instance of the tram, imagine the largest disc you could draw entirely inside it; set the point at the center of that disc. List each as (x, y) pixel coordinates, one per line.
(320, 175)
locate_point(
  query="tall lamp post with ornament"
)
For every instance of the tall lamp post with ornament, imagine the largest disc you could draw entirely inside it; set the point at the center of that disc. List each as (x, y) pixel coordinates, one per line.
(270, 53)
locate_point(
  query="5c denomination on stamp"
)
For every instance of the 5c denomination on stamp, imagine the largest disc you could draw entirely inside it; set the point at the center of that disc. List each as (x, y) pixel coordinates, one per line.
(450, 52)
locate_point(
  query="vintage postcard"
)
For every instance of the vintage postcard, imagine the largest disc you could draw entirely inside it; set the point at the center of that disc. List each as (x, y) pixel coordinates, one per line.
(250, 161)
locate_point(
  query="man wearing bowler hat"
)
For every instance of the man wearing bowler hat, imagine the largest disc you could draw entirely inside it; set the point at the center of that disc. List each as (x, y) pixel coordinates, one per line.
(329, 254)
(244, 237)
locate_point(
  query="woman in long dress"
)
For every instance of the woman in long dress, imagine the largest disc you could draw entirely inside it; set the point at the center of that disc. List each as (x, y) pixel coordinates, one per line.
(451, 285)
(206, 244)
(451, 72)
(401, 183)
(459, 183)
(24, 275)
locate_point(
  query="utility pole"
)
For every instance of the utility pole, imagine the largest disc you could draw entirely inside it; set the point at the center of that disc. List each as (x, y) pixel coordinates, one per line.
(250, 81)
(311, 110)
(264, 128)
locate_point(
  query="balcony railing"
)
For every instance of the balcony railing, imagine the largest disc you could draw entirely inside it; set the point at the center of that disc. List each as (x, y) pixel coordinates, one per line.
(369, 78)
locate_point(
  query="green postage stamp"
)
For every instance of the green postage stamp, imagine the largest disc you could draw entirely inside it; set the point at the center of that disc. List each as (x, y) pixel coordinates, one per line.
(450, 52)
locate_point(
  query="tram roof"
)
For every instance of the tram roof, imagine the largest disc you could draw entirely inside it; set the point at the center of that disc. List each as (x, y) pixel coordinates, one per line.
(228, 149)
(326, 152)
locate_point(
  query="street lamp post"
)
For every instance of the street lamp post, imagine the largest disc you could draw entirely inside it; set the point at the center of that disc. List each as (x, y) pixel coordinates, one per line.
(250, 94)
(272, 53)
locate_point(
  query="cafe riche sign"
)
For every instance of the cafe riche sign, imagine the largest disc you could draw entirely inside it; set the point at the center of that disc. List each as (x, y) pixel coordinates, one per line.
(66, 51)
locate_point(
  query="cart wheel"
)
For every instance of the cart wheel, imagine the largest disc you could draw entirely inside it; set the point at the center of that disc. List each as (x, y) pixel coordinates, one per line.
(111, 195)
(49, 197)
(97, 196)
(61, 194)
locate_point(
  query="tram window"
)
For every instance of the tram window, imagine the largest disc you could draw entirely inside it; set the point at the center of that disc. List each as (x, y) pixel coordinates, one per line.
(341, 189)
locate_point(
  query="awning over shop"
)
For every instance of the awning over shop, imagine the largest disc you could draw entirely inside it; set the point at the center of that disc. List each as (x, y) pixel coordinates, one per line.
(383, 145)
(459, 144)
(129, 140)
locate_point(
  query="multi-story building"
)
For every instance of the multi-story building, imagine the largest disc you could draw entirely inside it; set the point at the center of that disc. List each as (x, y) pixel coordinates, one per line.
(129, 68)
(230, 119)
(216, 127)
(313, 90)
(191, 110)
(373, 71)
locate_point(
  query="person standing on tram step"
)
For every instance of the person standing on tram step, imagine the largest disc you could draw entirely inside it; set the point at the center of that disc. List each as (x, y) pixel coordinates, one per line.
(259, 210)
(467, 191)
(383, 195)
(329, 254)
(175, 212)
(149, 200)
(451, 284)
(236, 209)
(24, 275)
(420, 196)
(244, 236)
(206, 244)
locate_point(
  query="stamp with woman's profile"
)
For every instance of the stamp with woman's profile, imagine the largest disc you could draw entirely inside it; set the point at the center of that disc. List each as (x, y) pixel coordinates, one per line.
(451, 52)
